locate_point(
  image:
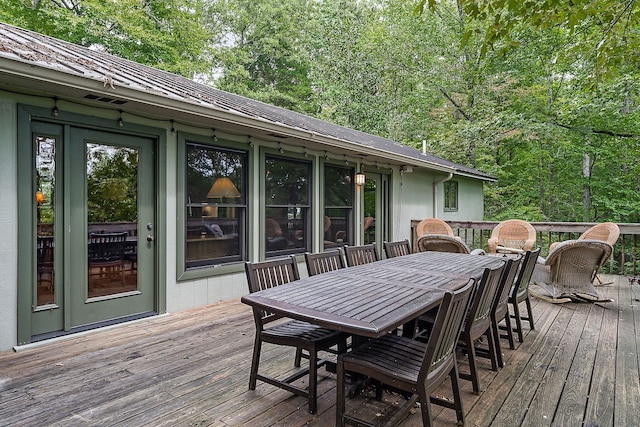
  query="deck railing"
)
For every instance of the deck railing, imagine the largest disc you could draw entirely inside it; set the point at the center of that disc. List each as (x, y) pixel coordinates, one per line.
(625, 251)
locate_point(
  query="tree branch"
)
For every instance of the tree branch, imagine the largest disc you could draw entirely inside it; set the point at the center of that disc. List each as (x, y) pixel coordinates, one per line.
(455, 104)
(597, 131)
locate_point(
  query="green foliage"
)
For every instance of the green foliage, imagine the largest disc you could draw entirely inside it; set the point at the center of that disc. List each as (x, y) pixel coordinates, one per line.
(167, 34)
(542, 94)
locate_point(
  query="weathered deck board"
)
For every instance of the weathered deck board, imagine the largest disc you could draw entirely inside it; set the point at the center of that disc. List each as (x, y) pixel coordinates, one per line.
(579, 367)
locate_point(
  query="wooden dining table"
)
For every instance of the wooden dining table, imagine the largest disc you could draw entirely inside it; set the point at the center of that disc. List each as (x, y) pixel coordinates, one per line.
(373, 299)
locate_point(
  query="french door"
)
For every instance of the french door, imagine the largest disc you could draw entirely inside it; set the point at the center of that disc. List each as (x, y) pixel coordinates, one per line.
(92, 239)
(375, 212)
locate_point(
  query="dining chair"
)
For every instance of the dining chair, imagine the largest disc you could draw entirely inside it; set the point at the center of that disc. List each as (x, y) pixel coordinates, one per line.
(358, 255)
(512, 236)
(293, 333)
(500, 309)
(414, 367)
(323, 262)
(106, 254)
(395, 249)
(520, 292)
(476, 325)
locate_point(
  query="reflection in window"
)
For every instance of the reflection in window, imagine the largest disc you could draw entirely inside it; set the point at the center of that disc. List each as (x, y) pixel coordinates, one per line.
(287, 199)
(215, 205)
(44, 200)
(338, 206)
(112, 219)
(451, 196)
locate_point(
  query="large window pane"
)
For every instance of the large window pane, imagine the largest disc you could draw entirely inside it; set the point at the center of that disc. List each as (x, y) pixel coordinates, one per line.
(287, 196)
(338, 206)
(215, 205)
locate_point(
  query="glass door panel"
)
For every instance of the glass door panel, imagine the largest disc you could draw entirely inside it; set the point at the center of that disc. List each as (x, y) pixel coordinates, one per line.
(112, 219)
(45, 166)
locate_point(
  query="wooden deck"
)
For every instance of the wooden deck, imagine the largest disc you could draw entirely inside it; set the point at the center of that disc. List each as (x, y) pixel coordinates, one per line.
(578, 368)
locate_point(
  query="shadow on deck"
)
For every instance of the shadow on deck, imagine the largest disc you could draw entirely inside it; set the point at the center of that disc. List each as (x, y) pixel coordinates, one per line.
(579, 367)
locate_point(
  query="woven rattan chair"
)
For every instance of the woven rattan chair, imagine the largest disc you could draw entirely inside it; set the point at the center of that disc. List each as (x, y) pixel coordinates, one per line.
(414, 367)
(394, 249)
(512, 236)
(359, 255)
(606, 232)
(293, 333)
(434, 226)
(323, 262)
(441, 243)
(569, 270)
(520, 292)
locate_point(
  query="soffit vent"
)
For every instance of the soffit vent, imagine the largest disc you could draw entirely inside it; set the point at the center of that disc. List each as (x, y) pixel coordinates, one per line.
(105, 99)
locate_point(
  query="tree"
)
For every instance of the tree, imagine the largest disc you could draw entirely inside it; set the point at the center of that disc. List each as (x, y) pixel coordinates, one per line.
(258, 51)
(167, 34)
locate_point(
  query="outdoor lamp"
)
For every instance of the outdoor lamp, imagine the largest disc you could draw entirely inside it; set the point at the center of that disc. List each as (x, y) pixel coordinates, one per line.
(359, 179)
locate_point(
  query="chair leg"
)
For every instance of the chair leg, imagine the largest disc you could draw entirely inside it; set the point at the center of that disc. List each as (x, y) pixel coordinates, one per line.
(255, 362)
(496, 338)
(313, 380)
(425, 408)
(298, 358)
(340, 395)
(473, 368)
(530, 313)
(507, 321)
(494, 348)
(516, 312)
(457, 397)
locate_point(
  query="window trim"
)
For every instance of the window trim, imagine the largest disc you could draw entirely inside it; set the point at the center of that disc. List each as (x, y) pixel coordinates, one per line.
(265, 154)
(323, 207)
(223, 142)
(448, 189)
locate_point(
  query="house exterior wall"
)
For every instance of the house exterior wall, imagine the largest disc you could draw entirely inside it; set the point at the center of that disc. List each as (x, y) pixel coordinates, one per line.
(8, 224)
(411, 197)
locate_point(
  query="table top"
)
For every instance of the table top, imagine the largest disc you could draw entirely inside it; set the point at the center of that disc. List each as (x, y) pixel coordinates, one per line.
(373, 299)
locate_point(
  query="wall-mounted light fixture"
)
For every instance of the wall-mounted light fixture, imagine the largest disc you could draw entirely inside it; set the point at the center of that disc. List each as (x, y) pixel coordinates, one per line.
(359, 179)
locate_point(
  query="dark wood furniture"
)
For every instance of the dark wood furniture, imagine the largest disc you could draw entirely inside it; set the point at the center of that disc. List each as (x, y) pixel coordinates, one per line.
(394, 249)
(323, 262)
(359, 255)
(373, 299)
(520, 292)
(411, 366)
(269, 275)
(500, 309)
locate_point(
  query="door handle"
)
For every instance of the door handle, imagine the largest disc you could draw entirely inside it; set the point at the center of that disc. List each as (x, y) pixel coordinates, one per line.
(150, 238)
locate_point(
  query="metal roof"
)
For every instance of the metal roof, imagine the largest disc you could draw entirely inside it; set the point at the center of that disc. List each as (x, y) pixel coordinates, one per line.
(47, 57)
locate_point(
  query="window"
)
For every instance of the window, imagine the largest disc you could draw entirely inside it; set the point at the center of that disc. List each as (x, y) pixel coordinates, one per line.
(215, 205)
(338, 206)
(451, 196)
(287, 206)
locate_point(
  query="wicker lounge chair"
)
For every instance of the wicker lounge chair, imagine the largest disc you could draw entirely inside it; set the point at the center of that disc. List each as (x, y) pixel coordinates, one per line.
(434, 226)
(568, 272)
(512, 236)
